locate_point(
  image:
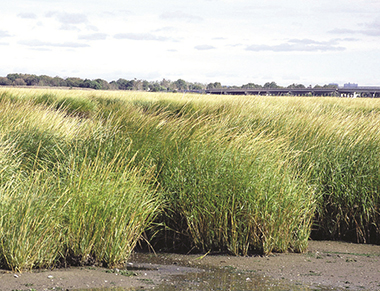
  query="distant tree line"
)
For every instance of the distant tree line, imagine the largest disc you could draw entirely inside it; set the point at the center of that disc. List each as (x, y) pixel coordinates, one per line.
(273, 85)
(140, 85)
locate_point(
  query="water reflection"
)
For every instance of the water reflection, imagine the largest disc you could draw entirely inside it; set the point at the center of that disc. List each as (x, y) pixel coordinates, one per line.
(225, 279)
(221, 279)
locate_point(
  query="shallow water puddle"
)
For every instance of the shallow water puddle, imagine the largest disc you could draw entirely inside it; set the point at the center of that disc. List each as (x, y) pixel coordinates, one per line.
(217, 279)
(167, 273)
(223, 279)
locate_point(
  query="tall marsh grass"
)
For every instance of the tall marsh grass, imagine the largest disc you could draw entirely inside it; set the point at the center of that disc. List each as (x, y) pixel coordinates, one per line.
(69, 193)
(338, 141)
(86, 173)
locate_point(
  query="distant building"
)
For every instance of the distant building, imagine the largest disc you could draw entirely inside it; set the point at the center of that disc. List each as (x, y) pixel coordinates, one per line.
(350, 86)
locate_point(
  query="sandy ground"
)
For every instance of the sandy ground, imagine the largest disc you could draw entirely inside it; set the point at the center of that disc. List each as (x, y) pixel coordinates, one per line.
(326, 264)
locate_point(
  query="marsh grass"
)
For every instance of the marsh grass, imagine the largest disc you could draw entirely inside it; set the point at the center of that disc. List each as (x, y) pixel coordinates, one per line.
(86, 173)
(345, 162)
(336, 145)
(238, 198)
(110, 206)
(214, 178)
(96, 215)
(29, 223)
(69, 192)
(338, 141)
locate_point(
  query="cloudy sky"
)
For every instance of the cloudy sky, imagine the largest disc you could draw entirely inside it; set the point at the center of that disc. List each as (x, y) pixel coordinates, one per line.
(229, 41)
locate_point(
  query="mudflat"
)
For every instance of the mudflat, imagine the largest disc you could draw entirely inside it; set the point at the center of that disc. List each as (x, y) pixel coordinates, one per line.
(326, 264)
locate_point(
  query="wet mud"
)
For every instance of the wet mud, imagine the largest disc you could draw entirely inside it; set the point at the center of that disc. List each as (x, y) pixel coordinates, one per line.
(325, 266)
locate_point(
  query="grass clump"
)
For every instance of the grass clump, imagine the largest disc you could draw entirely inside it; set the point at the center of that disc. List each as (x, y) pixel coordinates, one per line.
(110, 207)
(217, 181)
(238, 198)
(69, 193)
(29, 223)
(344, 158)
(337, 142)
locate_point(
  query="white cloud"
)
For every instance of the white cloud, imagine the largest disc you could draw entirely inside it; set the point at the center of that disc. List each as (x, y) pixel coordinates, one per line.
(166, 29)
(68, 18)
(39, 43)
(180, 15)
(204, 47)
(298, 45)
(141, 36)
(27, 15)
(94, 36)
(342, 31)
(372, 28)
(369, 28)
(4, 33)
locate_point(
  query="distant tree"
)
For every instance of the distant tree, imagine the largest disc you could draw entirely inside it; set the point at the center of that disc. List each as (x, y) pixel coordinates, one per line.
(331, 86)
(31, 80)
(13, 77)
(19, 82)
(4, 81)
(181, 84)
(210, 86)
(74, 82)
(201, 85)
(87, 83)
(166, 83)
(126, 84)
(251, 86)
(195, 87)
(44, 80)
(137, 85)
(296, 86)
(271, 85)
(97, 84)
(145, 85)
(114, 85)
(58, 82)
(215, 85)
(156, 87)
(104, 85)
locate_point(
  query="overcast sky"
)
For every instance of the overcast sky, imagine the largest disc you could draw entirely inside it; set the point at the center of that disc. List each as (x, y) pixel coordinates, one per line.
(232, 42)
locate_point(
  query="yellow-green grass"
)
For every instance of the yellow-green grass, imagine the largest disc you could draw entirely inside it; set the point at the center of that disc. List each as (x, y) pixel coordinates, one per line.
(214, 173)
(68, 192)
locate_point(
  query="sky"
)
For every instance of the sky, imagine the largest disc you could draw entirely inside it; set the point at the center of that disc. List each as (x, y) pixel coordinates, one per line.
(232, 42)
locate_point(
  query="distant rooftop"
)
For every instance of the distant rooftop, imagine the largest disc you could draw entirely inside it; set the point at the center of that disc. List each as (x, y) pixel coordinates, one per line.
(350, 85)
(356, 86)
